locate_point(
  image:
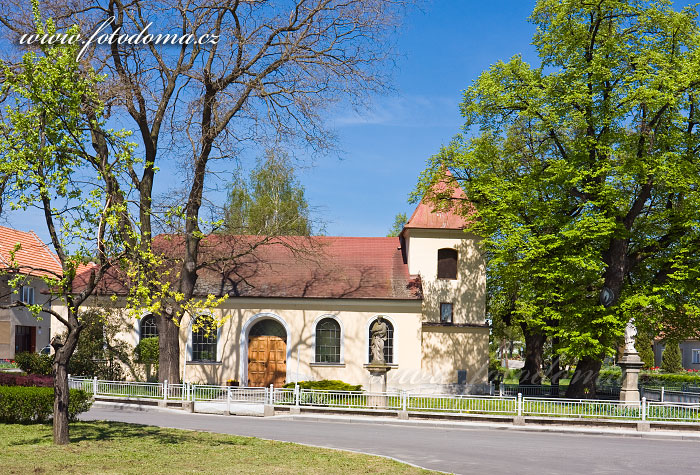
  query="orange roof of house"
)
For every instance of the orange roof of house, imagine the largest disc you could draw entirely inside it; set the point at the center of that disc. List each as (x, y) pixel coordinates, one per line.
(33, 257)
(449, 215)
(288, 266)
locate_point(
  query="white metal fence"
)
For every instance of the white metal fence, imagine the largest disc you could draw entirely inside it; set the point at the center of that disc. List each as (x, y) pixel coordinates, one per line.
(395, 401)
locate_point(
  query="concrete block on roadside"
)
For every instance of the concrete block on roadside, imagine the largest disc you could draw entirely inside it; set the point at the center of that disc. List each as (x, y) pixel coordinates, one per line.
(188, 406)
(403, 415)
(295, 410)
(643, 426)
(268, 410)
(518, 421)
(162, 403)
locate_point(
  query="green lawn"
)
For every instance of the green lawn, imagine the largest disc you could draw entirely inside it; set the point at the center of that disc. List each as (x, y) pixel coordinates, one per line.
(112, 447)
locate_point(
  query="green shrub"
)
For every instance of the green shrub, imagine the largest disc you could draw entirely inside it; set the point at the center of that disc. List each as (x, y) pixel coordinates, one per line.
(34, 363)
(326, 384)
(671, 358)
(610, 376)
(21, 404)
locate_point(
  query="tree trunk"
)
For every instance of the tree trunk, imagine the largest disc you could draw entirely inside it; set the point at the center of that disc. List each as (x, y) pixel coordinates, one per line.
(531, 374)
(555, 370)
(62, 354)
(60, 404)
(583, 383)
(169, 350)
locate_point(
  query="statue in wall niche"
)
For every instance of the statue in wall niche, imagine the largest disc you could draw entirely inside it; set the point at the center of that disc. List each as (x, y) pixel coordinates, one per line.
(379, 333)
(630, 334)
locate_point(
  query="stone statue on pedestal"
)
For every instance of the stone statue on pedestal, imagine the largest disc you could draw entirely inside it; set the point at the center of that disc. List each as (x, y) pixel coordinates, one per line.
(379, 333)
(630, 334)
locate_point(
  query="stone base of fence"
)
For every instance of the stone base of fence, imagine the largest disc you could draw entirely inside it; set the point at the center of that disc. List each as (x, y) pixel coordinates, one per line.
(518, 421)
(268, 410)
(403, 415)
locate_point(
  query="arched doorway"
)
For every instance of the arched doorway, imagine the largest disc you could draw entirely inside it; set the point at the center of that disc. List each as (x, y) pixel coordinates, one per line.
(267, 354)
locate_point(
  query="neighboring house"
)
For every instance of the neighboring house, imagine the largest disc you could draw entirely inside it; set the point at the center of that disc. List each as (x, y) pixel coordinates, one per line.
(19, 330)
(301, 308)
(690, 353)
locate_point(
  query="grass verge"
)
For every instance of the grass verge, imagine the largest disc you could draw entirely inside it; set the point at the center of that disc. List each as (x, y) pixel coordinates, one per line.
(114, 447)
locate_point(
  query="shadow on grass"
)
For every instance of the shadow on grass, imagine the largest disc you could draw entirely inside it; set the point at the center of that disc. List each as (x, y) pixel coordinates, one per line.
(97, 431)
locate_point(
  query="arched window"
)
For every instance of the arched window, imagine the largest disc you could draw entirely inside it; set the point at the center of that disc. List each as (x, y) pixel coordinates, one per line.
(328, 341)
(148, 328)
(204, 339)
(388, 344)
(447, 264)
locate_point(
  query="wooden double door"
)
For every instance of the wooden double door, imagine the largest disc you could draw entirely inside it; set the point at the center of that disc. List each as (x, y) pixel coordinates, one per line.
(267, 361)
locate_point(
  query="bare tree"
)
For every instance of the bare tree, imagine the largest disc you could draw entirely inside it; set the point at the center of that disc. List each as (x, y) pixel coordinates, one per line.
(268, 71)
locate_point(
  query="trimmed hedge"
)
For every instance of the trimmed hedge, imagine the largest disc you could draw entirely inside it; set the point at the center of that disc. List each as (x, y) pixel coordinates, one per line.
(14, 379)
(650, 378)
(665, 379)
(22, 404)
(327, 384)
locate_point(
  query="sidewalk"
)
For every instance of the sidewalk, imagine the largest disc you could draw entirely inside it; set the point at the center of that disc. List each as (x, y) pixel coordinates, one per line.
(474, 425)
(551, 426)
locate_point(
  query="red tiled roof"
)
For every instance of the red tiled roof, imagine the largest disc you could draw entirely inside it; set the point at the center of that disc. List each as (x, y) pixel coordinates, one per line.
(291, 266)
(449, 216)
(33, 257)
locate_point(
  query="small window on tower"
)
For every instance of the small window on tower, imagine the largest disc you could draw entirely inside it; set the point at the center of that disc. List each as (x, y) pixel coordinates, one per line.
(447, 264)
(446, 313)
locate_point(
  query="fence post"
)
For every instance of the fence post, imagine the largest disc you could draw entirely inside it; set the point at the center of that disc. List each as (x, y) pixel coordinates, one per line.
(500, 389)
(644, 409)
(662, 393)
(297, 396)
(404, 400)
(228, 401)
(520, 404)
(165, 390)
(272, 394)
(492, 389)
(94, 386)
(193, 393)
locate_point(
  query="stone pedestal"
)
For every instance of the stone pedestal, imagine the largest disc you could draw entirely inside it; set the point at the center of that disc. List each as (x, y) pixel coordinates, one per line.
(631, 364)
(377, 383)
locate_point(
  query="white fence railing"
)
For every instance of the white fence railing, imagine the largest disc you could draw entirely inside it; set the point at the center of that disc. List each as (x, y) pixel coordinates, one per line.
(397, 401)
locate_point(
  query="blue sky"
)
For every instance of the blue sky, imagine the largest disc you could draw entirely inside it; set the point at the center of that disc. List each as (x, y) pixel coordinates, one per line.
(441, 49)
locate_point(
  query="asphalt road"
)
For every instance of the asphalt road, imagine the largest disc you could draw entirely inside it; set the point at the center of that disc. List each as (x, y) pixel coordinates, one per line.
(463, 451)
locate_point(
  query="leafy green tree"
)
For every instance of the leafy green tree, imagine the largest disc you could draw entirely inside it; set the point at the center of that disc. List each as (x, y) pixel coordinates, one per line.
(52, 113)
(100, 352)
(643, 345)
(400, 221)
(583, 172)
(271, 203)
(671, 358)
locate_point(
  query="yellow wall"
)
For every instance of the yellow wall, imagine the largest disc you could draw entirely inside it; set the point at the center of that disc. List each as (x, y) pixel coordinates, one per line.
(467, 292)
(448, 349)
(299, 318)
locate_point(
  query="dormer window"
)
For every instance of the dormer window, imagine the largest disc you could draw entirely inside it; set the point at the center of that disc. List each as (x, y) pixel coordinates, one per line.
(447, 264)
